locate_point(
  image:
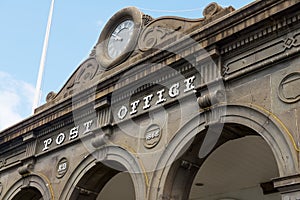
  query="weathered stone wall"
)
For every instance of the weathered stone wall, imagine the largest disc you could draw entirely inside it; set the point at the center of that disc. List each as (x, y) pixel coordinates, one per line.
(231, 70)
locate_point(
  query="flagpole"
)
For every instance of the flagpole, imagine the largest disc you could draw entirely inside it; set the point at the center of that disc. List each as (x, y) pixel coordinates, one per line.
(38, 92)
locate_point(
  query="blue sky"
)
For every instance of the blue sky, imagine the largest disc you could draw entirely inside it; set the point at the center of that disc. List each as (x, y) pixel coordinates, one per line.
(76, 26)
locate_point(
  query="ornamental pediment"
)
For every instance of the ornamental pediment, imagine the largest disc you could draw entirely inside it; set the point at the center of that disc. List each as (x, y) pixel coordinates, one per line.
(128, 38)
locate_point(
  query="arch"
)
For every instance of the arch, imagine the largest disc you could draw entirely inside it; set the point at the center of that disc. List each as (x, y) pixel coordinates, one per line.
(31, 183)
(261, 121)
(122, 183)
(240, 168)
(104, 158)
(28, 193)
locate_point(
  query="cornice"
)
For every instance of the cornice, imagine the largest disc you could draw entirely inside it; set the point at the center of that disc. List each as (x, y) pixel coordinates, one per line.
(277, 25)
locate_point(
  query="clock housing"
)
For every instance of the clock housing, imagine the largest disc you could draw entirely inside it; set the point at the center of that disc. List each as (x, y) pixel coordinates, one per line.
(119, 37)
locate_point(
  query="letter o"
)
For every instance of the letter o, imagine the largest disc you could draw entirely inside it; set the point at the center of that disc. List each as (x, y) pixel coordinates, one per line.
(60, 138)
(122, 112)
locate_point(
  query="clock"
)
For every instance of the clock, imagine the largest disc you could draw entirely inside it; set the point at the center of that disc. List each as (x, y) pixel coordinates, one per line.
(119, 37)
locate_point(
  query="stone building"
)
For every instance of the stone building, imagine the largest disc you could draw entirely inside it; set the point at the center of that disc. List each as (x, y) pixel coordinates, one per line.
(170, 108)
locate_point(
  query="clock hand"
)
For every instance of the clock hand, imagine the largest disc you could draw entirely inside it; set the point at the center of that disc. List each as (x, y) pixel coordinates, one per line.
(117, 38)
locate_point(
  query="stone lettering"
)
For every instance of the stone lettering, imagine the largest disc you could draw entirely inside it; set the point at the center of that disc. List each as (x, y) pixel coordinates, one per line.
(122, 112)
(189, 84)
(47, 142)
(74, 133)
(134, 106)
(174, 90)
(60, 138)
(152, 135)
(161, 98)
(87, 126)
(147, 100)
(62, 167)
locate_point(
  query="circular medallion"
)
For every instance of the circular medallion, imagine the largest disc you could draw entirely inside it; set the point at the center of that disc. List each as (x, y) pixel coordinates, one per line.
(62, 167)
(119, 37)
(288, 90)
(152, 136)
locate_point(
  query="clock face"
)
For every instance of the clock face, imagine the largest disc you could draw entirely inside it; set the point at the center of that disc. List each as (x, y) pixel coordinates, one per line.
(120, 38)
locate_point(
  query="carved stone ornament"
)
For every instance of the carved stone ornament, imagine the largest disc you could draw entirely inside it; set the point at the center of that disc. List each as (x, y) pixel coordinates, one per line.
(25, 169)
(87, 71)
(152, 136)
(290, 42)
(62, 167)
(210, 99)
(155, 35)
(163, 31)
(211, 9)
(288, 90)
(100, 140)
(147, 19)
(50, 96)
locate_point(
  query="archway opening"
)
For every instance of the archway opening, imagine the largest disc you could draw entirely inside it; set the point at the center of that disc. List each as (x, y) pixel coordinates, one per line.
(28, 193)
(119, 187)
(239, 169)
(240, 166)
(105, 183)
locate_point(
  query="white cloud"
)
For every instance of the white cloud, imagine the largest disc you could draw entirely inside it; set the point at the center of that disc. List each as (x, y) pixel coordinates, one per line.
(16, 97)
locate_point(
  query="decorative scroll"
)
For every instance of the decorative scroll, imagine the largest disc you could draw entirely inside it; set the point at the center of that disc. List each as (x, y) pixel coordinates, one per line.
(87, 71)
(84, 76)
(152, 36)
(50, 96)
(165, 30)
(211, 10)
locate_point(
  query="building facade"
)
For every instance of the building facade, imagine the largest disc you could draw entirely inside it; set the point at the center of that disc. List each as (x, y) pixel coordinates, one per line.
(170, 108)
